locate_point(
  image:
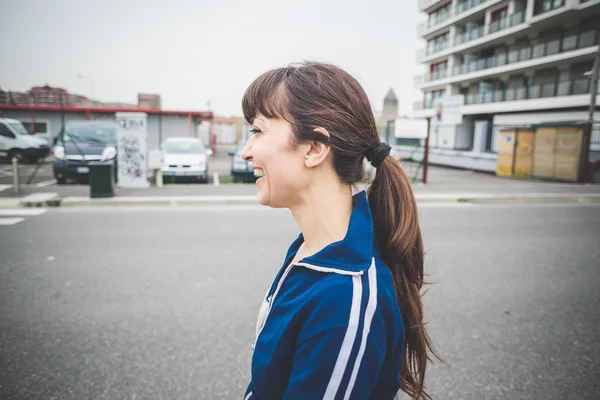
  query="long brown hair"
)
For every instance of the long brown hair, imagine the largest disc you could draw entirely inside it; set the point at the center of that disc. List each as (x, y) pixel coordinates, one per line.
(311, 95)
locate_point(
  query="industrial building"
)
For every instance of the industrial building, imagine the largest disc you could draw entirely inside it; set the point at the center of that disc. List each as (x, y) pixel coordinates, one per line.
(46, 121)
(502, 63)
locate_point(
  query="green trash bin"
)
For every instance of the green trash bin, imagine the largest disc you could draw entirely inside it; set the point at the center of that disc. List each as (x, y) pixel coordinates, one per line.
(102, 179)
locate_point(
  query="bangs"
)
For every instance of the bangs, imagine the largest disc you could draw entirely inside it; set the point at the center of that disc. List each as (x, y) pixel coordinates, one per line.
(266, 96)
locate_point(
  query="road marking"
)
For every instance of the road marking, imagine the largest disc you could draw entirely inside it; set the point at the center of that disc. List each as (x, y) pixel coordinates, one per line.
(10, 221)
(4, 187)
(216, 181)
(46, 183)
(11, 212)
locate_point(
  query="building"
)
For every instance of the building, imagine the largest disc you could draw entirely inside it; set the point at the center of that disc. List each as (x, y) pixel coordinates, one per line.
(149, 101)
(47, 121)
(50, 96)
(503, 63)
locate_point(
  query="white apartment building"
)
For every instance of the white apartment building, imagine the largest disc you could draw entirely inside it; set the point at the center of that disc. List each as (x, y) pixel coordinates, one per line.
(514, 62)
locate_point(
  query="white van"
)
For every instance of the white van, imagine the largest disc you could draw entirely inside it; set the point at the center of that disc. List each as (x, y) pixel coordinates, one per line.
(17, 142)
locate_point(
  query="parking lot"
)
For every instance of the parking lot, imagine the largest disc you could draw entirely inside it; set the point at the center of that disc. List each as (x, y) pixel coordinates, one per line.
(40, 175)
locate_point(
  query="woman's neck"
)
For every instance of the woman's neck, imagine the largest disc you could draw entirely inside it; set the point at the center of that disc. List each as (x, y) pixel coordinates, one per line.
(323, 215)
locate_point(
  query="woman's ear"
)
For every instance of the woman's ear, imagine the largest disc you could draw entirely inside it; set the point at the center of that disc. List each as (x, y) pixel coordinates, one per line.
(318, 151)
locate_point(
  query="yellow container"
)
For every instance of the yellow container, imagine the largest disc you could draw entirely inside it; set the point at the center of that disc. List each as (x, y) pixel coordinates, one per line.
(504, 166)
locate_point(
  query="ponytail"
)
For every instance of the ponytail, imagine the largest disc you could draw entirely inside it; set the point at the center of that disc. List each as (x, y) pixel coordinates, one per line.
(398, 238)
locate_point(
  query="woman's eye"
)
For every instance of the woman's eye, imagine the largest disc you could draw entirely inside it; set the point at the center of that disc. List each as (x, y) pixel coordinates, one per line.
(254, 131)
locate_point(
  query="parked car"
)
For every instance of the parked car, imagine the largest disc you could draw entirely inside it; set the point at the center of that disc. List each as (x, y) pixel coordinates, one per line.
(185, 158)
(241, 170)
(80, 143)
(17, 142)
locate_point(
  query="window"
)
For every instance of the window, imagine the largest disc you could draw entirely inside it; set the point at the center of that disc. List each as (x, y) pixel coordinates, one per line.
(39, 127)
(439, 70)
(498, 20)
(438, 43)
(7, 133)
(542, 6)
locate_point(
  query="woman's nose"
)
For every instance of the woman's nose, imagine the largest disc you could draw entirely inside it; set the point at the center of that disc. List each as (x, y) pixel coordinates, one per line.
(247, 151)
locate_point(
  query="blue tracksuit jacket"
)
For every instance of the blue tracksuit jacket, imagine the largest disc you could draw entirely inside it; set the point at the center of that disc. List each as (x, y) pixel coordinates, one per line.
(330, 325)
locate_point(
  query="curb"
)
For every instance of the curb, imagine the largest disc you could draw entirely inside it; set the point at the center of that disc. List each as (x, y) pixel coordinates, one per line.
(53, 200)
(159, 201)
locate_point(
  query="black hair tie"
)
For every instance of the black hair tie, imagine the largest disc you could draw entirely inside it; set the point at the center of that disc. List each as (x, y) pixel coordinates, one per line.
(377, 154)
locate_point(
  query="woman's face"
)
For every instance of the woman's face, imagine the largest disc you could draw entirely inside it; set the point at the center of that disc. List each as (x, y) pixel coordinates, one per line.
(282, 171)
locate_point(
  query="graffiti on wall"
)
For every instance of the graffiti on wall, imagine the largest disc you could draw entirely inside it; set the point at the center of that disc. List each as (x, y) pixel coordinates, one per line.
(132, 137)
(131, 160)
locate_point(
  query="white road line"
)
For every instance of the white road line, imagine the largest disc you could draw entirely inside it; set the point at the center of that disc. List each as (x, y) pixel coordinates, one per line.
(11, 212)
(10, 221)
(46, 183)
(216, 181)
(4, 187)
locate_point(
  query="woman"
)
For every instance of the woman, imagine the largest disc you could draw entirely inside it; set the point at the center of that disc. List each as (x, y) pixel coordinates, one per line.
(343, 317)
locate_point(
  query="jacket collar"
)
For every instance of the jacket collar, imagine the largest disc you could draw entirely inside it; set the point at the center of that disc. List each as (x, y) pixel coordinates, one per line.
(353, 254)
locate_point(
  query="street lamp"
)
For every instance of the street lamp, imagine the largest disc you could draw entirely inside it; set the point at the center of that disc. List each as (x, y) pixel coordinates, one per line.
(91, 81)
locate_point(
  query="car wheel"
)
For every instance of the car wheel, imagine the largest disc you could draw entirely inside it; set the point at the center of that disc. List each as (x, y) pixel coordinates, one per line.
(61, 181)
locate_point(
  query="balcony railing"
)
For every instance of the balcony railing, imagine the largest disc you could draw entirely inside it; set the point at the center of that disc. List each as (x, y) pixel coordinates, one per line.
(567, 43)
(510, 21)
(466, 5)
(437, 47)
(438, 18)
(547, 6)
(553, 89)
(425, 4)
(434, 20)
(496, 26)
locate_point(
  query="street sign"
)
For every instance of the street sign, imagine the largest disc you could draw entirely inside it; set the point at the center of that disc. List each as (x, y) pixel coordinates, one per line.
(410, 128)
(448, 109)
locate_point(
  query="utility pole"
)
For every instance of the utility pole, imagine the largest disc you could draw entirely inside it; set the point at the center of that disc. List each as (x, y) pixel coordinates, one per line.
(62, 111)
(426, 155)
(594, 87)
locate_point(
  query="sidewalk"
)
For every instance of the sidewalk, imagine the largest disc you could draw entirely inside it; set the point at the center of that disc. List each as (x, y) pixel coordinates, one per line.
(445, 185)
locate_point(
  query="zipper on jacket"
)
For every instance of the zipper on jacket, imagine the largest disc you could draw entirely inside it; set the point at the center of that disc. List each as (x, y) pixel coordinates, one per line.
(272, 300)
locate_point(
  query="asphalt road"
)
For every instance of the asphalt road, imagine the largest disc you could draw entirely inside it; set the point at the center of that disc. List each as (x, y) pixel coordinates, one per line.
(161, 303)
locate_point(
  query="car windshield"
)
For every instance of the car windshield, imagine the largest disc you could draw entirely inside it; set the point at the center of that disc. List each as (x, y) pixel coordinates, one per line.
(184, 147)
(91, 133)
(19, 128)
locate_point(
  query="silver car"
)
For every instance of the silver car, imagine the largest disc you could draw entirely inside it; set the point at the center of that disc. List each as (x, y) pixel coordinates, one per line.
(185, 158)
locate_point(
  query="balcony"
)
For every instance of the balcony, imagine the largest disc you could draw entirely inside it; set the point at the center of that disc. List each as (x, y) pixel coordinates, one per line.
(565, 44)
(574, 87)
(496, 26)
(552, 89)
(547, 6)
(482, 31)
(438, 19)
(425, 4)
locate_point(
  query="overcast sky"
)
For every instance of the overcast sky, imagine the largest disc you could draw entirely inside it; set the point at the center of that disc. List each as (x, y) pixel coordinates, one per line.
(195, 51)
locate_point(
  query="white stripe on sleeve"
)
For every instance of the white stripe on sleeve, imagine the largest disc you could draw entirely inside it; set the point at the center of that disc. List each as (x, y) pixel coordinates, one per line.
(344, 354)
(371, 307)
